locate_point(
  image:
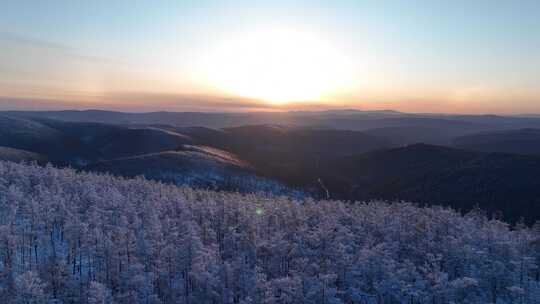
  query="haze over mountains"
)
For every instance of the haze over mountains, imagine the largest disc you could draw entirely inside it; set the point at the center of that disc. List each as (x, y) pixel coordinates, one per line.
(464, 161)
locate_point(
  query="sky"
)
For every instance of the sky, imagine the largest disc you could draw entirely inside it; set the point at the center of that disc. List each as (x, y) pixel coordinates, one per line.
(414, 56)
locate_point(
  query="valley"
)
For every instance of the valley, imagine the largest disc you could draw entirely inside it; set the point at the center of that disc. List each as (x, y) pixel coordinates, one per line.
(453, 160)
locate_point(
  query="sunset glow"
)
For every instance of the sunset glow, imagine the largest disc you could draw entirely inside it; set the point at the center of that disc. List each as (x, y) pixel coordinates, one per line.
(272, 55)
(278, 66)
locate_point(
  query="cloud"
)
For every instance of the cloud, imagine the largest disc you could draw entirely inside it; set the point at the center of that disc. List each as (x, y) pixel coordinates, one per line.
(183, 101)
(200, 102)
(8, 103)
(135, 102)
(8, 39)
(148, 102)
(12, 38)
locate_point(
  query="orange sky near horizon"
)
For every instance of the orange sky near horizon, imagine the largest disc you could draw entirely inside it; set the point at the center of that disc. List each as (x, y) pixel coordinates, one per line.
(275, 56)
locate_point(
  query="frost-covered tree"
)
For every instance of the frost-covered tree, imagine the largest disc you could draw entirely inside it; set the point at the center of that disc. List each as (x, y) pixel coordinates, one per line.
(75, 237)
(29, 289)
(98, 293)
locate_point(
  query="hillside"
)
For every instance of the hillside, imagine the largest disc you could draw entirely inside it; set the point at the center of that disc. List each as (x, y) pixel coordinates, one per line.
(501, 183)
(292, 142)
(520, 141)
(406, 135)
(81, 143)
(106, 141)
(16, 155)
(28, 135)
(84, 238)
(196, 166)
(288, 153)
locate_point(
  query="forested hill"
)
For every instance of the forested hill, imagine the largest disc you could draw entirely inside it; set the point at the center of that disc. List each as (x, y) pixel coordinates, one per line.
(68, 237)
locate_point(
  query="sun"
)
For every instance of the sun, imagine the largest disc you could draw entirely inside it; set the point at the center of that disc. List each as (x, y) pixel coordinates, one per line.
(277, 65)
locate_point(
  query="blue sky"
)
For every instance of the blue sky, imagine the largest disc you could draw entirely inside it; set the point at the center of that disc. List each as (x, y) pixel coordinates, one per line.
(422, 56)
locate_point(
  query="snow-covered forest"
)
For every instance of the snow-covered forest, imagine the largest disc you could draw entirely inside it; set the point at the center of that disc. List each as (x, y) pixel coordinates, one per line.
(69, 237)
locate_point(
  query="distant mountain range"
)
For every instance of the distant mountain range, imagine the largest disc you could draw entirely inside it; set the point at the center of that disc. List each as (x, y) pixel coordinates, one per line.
(338, 119)
(464, 161)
